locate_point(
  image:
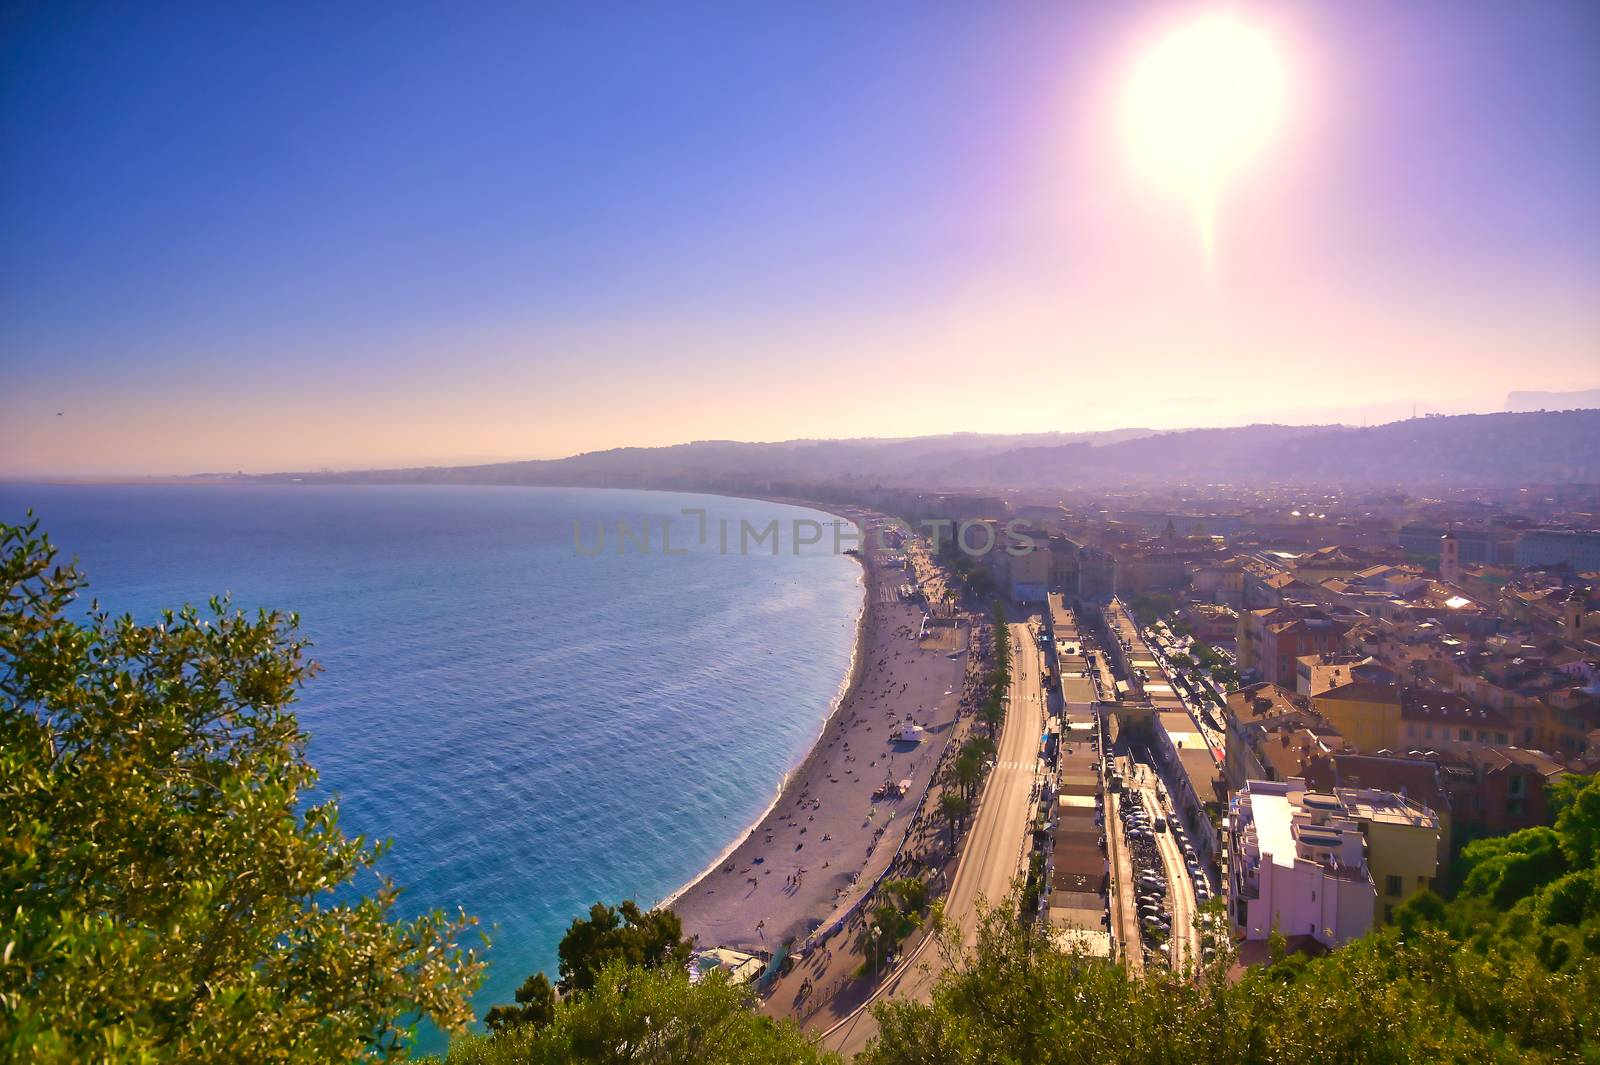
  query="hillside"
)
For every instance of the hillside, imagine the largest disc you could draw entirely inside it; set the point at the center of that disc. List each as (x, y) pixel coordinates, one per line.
(1472, 449)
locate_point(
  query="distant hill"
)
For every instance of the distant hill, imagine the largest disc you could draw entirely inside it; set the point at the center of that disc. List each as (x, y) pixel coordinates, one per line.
(730, 463)
(1587, 399)
(1470, 449)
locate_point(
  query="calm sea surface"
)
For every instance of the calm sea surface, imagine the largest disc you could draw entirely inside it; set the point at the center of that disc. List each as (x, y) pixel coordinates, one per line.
(533, 727)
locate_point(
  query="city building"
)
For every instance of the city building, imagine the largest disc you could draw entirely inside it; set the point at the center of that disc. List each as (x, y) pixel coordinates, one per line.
(1212, 622)
(1297, 865)
(1027, 574)
(1097, 575)
(1403, 844)
(1577, 550)
(1440, 720)
(1315, 674)
(1366, 714)
(1270, 732)
(1273, 639)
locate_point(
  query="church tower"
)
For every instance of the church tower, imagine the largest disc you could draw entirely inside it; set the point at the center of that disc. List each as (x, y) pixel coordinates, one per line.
(1449, 559)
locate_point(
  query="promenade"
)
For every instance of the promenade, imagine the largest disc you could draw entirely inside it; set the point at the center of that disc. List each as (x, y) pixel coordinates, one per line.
(992, 855)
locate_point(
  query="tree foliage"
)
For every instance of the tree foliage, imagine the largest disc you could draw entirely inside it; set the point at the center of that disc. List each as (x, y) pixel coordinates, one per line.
(626, 934)
(169, 895)
(623, 935)
(953, 807)
(535, 1004)
(646, 1015)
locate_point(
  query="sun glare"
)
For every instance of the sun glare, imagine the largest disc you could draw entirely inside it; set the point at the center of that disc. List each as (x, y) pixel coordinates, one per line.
(1203, 101)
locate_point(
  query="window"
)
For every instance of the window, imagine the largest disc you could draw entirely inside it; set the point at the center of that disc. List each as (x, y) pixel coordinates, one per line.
(1388, 914)
(1393, 886)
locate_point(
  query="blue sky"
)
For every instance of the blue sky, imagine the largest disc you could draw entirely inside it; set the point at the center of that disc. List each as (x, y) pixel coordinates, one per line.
(294, 235)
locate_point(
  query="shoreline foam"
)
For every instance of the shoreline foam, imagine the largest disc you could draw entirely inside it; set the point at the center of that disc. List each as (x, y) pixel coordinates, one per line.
(847, 684)
(829, 790)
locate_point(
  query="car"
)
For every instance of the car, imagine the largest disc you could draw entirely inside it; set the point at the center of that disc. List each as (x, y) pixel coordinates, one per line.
(1161, 824)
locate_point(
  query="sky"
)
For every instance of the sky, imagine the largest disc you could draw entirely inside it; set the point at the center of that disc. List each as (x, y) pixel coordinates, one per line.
(270, 237)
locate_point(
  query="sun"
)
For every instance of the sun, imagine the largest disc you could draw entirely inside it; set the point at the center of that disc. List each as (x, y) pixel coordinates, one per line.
(1202, 103)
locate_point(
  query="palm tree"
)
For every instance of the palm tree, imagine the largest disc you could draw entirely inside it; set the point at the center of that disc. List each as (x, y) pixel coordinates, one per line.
(953, 807)
(966, 771)
(992, 713)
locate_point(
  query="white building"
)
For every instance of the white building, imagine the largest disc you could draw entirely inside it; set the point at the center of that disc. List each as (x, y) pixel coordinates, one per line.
(1296, 860)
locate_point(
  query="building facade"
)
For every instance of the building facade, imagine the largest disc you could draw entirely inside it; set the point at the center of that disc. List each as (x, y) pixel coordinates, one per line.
(1297, 865)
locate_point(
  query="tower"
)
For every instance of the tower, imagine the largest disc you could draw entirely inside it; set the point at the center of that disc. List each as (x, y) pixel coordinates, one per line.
(1449, 558)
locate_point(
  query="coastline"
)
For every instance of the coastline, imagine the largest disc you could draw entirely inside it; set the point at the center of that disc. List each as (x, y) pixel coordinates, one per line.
(854, 828)
(847, 686)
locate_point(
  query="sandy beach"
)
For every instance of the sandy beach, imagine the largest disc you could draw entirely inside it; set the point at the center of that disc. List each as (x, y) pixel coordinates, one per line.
(826, 838)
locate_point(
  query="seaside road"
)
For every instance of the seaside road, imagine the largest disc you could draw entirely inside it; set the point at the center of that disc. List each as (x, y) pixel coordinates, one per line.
(992, 855)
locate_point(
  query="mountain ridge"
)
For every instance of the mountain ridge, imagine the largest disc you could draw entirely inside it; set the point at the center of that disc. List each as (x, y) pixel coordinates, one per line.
(1467, 449)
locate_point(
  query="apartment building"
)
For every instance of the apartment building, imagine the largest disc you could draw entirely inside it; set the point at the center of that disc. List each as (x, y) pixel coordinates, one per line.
(1403, 844)
(1297, 865)
(1273, 639)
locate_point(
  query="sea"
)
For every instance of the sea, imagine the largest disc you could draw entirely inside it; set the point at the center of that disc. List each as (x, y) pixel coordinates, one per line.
(539, 698)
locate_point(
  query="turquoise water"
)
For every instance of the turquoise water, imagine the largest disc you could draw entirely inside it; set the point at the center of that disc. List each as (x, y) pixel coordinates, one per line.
(535, 728)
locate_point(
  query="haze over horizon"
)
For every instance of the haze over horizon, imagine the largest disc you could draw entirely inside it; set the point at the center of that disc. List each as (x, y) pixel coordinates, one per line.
(264, 240)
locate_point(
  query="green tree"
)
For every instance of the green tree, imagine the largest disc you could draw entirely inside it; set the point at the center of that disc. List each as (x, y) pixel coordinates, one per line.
(535, 1004)
(992, 711)
(170, 895)
(910, 891)
(646, 1015)
(633, 937)
(1577, 808)
(966, 770)
(953, 808)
